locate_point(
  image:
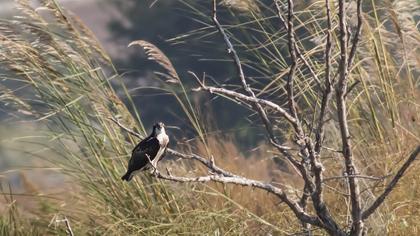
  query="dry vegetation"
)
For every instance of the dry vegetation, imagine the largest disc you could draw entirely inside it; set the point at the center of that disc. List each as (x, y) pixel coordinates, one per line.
(65, 84)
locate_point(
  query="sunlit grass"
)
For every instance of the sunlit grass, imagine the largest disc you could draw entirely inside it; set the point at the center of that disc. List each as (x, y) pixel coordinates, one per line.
(66, 84)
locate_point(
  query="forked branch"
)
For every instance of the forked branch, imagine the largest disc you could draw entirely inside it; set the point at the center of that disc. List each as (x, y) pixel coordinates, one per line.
(238, 180)
(306, 158)
(350, 168)
(370, 210)
(223, 176)
(241, 75)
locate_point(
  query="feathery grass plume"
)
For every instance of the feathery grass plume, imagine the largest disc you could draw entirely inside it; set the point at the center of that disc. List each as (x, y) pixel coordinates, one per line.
(87, 35)
(155, 54)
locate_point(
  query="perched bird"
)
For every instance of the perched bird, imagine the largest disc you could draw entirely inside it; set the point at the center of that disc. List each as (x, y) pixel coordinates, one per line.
(148, 152)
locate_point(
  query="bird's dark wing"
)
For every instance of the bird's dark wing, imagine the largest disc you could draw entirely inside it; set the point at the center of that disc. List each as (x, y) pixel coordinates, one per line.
(141, 145)
(140, 155)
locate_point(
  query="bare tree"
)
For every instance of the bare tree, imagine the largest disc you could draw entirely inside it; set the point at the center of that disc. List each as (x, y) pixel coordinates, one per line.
(307, 160)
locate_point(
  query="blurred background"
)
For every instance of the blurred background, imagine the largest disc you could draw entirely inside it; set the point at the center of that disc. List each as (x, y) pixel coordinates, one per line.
(116, 25)
(54, 165)
(28, 169)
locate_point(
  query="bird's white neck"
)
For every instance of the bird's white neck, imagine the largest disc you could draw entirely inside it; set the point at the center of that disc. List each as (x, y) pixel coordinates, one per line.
(160, 131)
(162, 137)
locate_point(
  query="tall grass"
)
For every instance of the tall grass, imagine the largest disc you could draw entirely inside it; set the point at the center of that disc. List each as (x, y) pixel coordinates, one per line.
(65, 83)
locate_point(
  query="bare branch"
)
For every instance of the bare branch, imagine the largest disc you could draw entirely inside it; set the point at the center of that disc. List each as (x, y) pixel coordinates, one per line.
(295, 122)
(252, 100)
(301, 139)
(208, 163)
(223, 176)
(352, 86)
(239, 96)
(235, 57)
(306, 143)
(257, 106)
(319, 133)
(292, 70)
(357, 35)
(303, 202)
(357, 223)
(298, 52)
(294, 206)
(391, 184)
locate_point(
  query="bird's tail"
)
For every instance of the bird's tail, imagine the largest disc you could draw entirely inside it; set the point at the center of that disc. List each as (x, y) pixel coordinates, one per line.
(127, 177)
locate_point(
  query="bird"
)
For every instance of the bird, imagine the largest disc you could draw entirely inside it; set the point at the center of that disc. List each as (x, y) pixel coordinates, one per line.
(148, 152)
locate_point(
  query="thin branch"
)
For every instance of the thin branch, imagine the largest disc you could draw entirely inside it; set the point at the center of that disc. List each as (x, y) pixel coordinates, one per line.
(232, 52)
(242, 97)
(303, 202)
(239, 96)
(295, 122)
(307, 146)
(328, 85)
(237, 180)
(293, 65)
(352, 86)
(357, 35)
(208, 163)
(357, 223)
(391, 184)
(298, 52)
(257, 106)
(301, 139)
(319, 133)
(237, 61)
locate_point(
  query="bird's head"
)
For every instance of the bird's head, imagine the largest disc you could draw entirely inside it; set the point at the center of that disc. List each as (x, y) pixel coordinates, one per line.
(158, 128)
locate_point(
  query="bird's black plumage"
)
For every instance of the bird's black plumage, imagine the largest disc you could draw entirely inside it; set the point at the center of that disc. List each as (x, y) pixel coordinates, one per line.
(147, 149)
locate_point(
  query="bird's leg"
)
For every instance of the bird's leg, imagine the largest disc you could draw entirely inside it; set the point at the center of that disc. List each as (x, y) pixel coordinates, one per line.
(151, 163)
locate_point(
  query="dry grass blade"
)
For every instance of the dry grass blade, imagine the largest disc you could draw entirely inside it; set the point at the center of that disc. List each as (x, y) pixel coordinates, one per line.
(53, 58)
